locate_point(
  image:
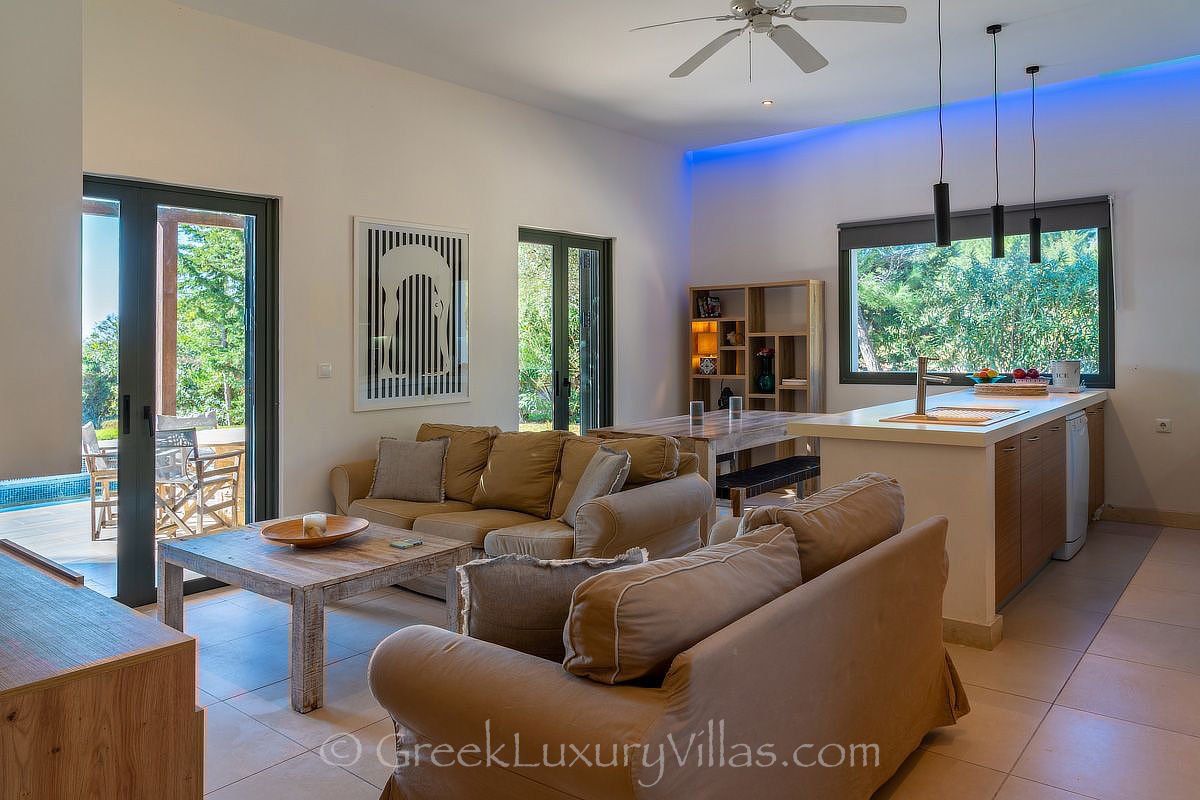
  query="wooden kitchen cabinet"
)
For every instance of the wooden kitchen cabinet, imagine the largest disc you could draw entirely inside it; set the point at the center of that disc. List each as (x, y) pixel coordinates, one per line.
(1031, 503)
(1095, 418)
(1008, 516)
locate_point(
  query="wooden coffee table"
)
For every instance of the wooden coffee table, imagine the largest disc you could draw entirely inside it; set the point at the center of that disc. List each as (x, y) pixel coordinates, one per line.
(305, 578)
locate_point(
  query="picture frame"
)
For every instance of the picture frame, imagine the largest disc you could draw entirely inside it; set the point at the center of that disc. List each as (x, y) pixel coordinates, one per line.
(410, 314)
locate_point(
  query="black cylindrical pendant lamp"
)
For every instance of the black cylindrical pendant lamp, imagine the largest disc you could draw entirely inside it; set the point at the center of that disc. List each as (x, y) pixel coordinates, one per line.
(998, 209)
(1035, 222)
(941, 189)
(941, 214)
(1035, 240)
(997, 231)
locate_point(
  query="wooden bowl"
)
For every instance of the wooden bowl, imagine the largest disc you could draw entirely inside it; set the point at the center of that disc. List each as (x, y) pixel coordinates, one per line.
(291, 531)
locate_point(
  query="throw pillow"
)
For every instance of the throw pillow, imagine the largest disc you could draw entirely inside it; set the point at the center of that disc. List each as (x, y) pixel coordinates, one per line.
(520, 472)
(653, 459)
(629, 624)
(521, 602)
(837, 523)
(410, 470)
(466, 455)
(605, 474)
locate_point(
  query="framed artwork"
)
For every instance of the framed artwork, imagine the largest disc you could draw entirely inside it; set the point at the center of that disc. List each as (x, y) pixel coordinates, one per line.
(410, 315)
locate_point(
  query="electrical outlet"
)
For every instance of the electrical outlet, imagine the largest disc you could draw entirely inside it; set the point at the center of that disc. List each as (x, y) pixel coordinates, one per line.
(1162, 426)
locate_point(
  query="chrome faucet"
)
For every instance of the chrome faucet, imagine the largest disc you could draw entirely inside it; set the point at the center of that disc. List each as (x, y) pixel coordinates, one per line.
(923, 381)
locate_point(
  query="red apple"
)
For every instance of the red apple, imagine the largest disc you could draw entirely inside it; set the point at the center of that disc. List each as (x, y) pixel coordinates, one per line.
(1032, 373)
(1018, 373)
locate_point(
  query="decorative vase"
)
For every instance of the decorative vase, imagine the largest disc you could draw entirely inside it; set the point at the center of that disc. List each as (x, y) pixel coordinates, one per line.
(766, 374)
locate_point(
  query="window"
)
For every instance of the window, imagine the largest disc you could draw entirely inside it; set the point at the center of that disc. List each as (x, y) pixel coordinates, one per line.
(901, 296)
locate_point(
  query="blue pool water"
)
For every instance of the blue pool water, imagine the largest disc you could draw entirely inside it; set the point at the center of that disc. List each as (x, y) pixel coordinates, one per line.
(25, 492)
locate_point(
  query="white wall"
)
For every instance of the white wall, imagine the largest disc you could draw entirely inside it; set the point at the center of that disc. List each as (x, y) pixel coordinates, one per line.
(770, 209)
(40, 155)
(174, 95)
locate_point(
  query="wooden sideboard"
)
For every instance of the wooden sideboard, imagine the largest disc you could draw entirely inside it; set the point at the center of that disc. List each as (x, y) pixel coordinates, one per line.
(96, 700)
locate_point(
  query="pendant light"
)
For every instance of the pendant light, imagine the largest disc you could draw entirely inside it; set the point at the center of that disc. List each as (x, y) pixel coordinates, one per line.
(998, 209)
(1035, 222)
(941, 189)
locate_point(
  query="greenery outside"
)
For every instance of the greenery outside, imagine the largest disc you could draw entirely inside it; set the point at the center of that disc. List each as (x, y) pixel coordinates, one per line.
(211, 331)
(535, 335)
(967, 311)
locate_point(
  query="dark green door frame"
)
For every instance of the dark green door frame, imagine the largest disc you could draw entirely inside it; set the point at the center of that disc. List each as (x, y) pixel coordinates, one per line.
(595, 326)
(139, 203)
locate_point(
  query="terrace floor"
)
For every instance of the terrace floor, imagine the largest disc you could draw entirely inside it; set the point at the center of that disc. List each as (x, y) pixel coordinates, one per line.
(61, 532)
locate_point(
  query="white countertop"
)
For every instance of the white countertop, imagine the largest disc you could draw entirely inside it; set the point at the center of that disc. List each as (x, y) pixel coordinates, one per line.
(865, 423)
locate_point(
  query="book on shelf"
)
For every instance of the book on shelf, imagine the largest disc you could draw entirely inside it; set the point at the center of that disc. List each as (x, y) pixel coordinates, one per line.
(793, 382)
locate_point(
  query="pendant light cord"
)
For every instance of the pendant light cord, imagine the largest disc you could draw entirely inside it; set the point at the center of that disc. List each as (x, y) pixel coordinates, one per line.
(1033, 132)
(996, 114)
(941, 134)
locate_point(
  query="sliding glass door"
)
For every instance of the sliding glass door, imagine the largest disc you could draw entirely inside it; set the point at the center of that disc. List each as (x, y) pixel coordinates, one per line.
(564, 331)
(180, 382)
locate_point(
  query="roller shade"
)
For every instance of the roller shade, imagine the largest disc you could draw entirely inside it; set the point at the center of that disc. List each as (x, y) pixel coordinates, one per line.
(1061, 215)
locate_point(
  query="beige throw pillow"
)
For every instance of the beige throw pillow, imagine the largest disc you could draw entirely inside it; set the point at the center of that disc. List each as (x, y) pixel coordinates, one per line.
(412, 471)
(652, 459)
(466, 456)
(605, 474)
(520, 472)
(629, 624)
(521, 602)
(837, 523)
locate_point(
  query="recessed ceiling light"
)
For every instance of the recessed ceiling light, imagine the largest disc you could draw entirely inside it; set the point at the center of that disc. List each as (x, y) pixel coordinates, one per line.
(768, 103)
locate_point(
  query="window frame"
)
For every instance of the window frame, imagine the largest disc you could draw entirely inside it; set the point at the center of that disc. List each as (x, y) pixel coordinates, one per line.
(1067, 210)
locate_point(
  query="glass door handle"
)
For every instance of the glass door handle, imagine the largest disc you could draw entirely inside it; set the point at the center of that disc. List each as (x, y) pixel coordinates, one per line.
(146, 415)
(125, 414)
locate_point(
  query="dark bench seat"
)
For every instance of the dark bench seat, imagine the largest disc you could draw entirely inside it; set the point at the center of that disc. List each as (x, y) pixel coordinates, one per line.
(738, 485)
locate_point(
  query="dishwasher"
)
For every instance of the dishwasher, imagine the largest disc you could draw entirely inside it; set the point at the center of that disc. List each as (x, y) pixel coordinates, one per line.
(1077, 486)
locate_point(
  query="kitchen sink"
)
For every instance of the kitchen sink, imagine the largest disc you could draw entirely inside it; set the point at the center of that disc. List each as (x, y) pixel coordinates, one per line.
(960, 415)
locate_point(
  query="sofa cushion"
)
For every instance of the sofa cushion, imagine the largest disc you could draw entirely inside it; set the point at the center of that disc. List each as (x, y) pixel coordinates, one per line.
(838, 523)
(401, 513)
(466, 455)
(413, 471)
(521, 602)
(471, 526)
(652, 459)
(520, 472)
(546, 538)
(605, 474)
(629, 624)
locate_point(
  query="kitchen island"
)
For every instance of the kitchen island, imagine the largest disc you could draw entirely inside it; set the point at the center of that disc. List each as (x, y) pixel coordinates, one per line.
(1001, 484)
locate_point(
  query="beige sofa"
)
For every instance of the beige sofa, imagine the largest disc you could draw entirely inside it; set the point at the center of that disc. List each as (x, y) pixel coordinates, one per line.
(505, 492)
(852, 658)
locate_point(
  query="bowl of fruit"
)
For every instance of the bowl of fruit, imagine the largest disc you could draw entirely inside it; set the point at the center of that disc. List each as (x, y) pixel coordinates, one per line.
(987, 375)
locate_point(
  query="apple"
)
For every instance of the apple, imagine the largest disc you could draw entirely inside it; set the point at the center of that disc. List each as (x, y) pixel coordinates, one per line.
(1032, 373)
(1018, 373)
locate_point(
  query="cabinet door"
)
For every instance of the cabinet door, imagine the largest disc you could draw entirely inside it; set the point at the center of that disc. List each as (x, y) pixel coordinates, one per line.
(1031, 502)
(1095, 418)
(1054, 486)
(1008, 517)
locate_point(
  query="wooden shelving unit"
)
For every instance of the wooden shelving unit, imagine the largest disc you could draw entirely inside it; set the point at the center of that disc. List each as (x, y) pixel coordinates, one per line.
(788, 316)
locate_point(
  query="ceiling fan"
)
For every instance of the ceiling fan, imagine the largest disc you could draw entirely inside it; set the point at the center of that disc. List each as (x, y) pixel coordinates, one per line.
(759, 17)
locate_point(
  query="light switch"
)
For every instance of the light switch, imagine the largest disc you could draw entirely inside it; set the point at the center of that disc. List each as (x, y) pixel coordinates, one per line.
(324, 370)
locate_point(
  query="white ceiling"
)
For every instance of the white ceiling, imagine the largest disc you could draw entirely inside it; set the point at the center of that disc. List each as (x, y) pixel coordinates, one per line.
(577, 57)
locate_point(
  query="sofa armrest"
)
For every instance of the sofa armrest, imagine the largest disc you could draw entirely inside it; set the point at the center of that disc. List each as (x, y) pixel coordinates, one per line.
(350, 482)
(854, 656)
(443, 688)
(610, 525)
(723, 530)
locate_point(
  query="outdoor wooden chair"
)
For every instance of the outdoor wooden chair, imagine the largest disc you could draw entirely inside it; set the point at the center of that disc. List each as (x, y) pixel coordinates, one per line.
(191, 482)
(101, 466)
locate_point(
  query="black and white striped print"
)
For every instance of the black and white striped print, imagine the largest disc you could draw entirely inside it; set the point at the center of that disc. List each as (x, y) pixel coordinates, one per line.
(416, 342)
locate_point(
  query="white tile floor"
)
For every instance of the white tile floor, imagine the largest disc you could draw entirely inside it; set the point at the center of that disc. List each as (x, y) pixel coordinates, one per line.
(1094, 692)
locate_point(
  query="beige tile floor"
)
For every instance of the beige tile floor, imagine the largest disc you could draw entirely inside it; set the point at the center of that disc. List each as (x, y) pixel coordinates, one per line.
(1094, 693)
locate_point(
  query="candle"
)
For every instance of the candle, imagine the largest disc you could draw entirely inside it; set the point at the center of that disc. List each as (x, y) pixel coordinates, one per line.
(315, 524)
(697, 411)
(735, 407)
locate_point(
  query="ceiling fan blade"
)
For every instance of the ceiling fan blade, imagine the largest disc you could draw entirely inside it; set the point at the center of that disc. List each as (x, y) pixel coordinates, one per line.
(893, 14)
(797, 48)
(678, 21)
(705, 53)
